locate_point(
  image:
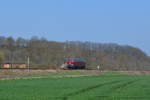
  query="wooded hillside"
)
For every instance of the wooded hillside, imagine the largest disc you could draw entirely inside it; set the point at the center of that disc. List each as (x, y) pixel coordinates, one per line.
(44, 53)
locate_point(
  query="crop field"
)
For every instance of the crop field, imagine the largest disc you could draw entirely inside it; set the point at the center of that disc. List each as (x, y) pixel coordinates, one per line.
(109, 86)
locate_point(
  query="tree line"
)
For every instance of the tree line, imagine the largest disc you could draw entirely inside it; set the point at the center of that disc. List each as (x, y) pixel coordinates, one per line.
(52, 54)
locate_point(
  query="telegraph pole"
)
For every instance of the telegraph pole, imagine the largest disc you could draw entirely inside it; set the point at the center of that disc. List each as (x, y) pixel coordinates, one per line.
(28, 61)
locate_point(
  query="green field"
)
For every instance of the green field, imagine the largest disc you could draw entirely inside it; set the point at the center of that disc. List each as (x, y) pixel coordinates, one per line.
(103, 87)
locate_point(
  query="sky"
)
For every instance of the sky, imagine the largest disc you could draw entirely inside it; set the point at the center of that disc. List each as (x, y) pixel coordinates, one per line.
(126, 22)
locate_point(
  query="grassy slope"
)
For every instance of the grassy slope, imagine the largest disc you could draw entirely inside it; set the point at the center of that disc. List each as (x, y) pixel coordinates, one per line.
(109, 86)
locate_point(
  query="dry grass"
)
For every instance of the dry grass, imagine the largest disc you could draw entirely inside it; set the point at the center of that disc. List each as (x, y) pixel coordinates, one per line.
(24, 73)
(21, 73)
(134, 72)
(41, 73)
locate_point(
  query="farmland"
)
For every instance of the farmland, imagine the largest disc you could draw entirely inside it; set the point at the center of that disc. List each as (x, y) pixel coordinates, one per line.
(107, 86)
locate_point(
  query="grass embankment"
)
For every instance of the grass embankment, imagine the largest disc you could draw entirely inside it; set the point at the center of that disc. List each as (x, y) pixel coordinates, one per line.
(109, 86)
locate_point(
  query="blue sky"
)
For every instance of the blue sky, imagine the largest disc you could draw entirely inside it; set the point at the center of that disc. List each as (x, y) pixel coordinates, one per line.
(125, 22)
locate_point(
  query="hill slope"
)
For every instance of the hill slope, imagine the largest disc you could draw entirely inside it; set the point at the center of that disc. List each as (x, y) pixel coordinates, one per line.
(45, 53)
